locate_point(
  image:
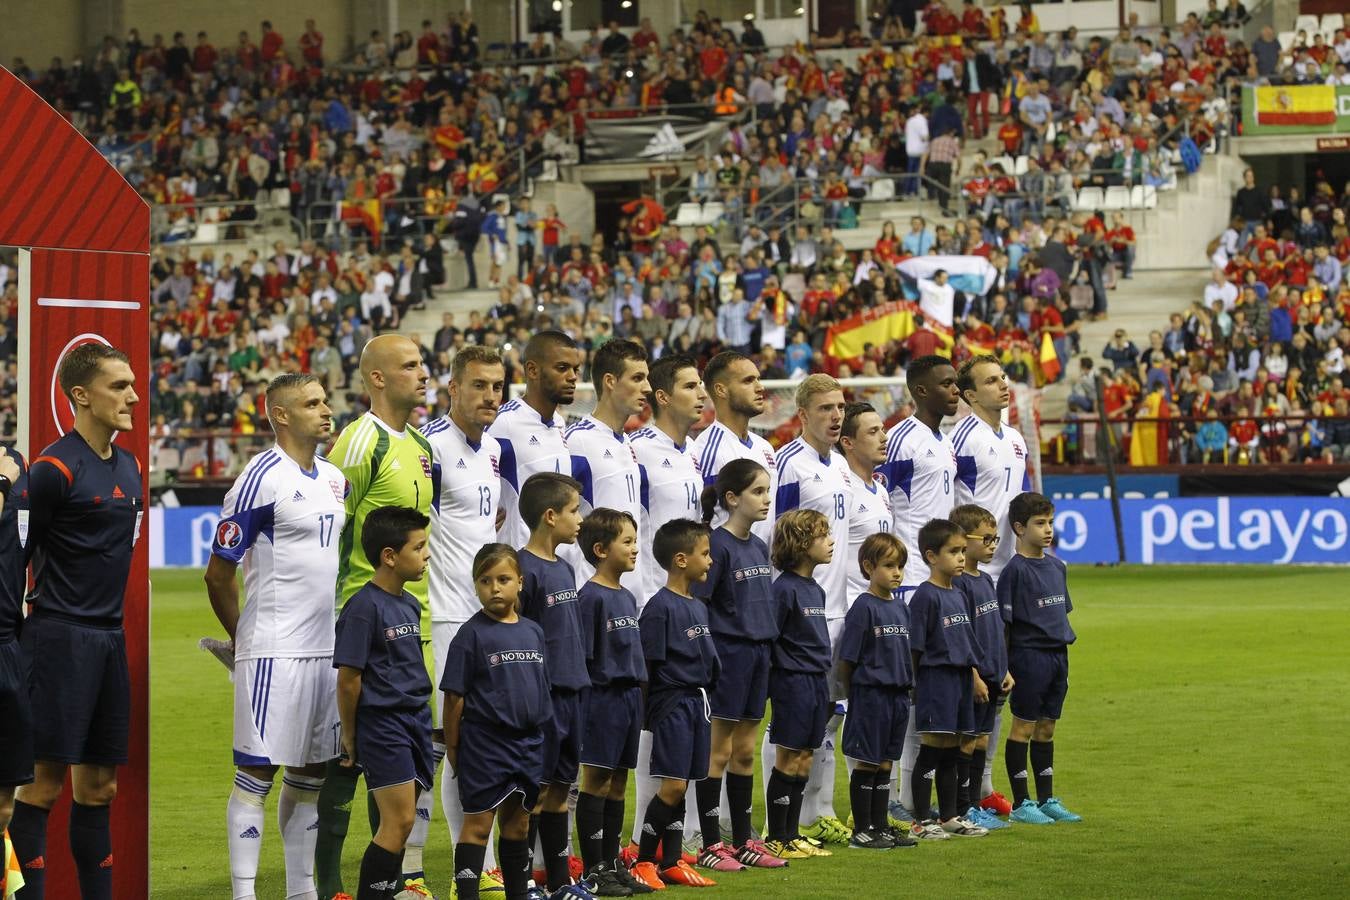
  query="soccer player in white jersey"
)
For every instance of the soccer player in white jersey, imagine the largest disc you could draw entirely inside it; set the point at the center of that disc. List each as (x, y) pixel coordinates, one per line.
(281, 519)
(530, 430)
(920, 471)
(602, 460)
(991, 469)
(862, 441)
(670, 488)
(732, 382)
(465, 476)
(811, 475)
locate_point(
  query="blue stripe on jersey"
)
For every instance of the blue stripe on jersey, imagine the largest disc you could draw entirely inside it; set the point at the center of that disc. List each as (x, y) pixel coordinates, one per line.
(966, 471)
(581, 471)
(644, 488)
(246, 501)
(899, 473)
(508, 406)
(963, 431)
(435, 487)
(435, 426)
(898, 436)
(506, 463)
(251, 474)
(709, 456)
(266, 699)
(580, 425)
(788, 498)
(643, 433)
(787, 453)
(1026, 480)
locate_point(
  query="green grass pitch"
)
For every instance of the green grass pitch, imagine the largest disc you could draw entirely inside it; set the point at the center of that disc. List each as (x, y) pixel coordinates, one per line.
(1207, 713)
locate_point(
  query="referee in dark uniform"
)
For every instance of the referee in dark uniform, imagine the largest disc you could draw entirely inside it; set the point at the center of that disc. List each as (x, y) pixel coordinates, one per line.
(85, 511)
(16, 750)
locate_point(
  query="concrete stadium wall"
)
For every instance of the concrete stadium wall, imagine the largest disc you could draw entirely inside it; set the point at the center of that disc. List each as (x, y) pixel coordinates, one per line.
(37, 30)
(224, 19)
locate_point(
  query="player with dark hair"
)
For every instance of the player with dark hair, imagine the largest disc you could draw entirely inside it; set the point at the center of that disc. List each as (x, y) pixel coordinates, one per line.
(16, 750)
(920, 472)
(281, 519)
(1033, 596)
(383, 689)
(862, 441)
(732, 382)
(85, 503)
(602, 460)
(530, 430)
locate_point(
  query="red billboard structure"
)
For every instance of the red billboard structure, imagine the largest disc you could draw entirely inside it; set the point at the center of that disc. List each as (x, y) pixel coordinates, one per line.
(84, 275)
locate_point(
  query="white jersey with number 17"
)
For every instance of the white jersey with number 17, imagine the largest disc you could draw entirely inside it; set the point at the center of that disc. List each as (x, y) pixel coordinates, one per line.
(991, 469)
(466, 488)
(670, 489)
(919, 471)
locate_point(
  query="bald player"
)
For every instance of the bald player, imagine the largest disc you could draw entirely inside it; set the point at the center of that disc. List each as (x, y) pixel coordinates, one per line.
(386, 462)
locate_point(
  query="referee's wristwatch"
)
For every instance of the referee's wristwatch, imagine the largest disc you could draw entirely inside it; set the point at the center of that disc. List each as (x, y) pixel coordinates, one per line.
(5, 485)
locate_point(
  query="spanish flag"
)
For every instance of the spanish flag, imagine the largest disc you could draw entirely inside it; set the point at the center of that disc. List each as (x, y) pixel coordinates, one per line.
(1049, 359)
(879, 326)
(1308, 104)
(11, 876)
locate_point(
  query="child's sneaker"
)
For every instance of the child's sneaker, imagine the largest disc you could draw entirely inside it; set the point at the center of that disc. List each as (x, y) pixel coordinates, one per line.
(414, 889)
(963, 828)
(997, 804)
(896, 810)
(535, 892)
(985, 819)
(646, 873)
(928, 830)
(1055, 810)
(580, 891)
(756, 855)
(625, 877)
(900, 837)
(828, 830)
(719, 858)
(602, 881)
(809, 847)
(1028, 813)
(870, 840)
(629, 855)
(787, 850)
(683, 873)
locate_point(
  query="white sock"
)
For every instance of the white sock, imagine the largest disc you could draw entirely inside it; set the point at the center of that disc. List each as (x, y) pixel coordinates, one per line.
(244, 816)
(907, 758)
(819, 799)
(417, 838)
(768, 759)
(643, 783)
(693, 825)
(454, 814)
(987, 781)
(298, 822)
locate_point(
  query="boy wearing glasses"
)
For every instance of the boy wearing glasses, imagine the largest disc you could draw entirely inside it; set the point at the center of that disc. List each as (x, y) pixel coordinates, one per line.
(992, 681)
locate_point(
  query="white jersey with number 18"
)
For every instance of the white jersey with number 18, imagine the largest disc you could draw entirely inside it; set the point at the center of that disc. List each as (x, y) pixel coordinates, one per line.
(466, 488)
(807, 480)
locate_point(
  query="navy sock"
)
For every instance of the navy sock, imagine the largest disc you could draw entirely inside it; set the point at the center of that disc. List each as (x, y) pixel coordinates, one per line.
(965, 787)
(613, 830)
(1015, 758)
(553, 840)
(708, 793)
(946, 782)
(672, 842)
(379, 873)
(779, 801)
(28, 832)
(1043, 764)
(468, 869)
(591, 829)
(881, 795)
(741, 796)
(978, 758)
(921, 781)
(514, 857)
(654, 822)
(795, 808)
(91, 845)
(860, 798)
(335, 815)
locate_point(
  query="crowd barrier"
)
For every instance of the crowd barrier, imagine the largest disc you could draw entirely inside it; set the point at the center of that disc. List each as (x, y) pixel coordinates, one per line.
(1254, 530)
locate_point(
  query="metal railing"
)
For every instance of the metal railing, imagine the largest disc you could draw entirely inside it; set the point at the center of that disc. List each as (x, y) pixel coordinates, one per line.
(1244, 440)
(210, 222)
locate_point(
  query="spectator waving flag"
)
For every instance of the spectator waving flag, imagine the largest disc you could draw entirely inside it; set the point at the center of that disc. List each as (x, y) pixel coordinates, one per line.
(1309, 104)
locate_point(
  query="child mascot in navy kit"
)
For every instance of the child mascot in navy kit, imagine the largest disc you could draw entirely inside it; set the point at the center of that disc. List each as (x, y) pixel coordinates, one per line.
(943, 643)
(682, 665)
(739, 594)
(497, 707)
(383, 689)
(799, 678)
(612, 709)
(874, 671)
(1033, 596)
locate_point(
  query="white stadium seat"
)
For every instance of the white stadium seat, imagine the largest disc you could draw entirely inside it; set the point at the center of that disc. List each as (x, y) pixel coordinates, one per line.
(1090, 198)
(711, 213)
(882, 189)
(1143, 196)
(1021, 165)
(1331, 22)
(1005, 161)
(1286, 39)
(1117, 197)
(687, 215)
(1309, 24)
(207, 233)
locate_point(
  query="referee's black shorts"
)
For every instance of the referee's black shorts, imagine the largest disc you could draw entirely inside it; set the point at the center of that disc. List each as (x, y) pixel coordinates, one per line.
(16, 719)
(79, 683)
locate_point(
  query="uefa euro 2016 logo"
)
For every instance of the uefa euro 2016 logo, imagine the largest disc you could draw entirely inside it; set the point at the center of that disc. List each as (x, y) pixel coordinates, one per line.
(229, 535)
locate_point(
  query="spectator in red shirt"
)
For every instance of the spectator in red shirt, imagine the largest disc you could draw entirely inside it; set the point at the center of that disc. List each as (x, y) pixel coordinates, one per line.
(428, 45)
(247, 53)
(1010, 136)
(973, 22)
(271, 42)
(204, 55)
(1122, 239)
(311, 45)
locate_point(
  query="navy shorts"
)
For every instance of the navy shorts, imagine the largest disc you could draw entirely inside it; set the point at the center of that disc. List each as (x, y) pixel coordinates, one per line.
(944, 700)
(801, 708)
(562, 738)
(16, 750)
(874, 729)
(985, 713)
(681, 738)
(611, 726)
(77, 675)
(743, 687)
(393, 746)
(1041, 682)
(493, 763)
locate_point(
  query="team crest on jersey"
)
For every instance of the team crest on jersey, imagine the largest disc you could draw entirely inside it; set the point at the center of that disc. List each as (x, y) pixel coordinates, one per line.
(768, 460)
(426, 465)
(1019, 452)
(340, 489)
(229, 535)
(496, 469)
(880, 479)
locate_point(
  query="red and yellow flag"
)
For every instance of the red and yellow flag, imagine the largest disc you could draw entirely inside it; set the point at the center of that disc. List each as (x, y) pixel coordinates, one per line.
(879, 326)
(1307, 104)
(1049, 359)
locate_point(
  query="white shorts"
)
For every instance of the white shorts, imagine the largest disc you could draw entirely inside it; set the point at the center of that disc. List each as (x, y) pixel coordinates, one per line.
(442, 633)
(499, 255)
(285, 712)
